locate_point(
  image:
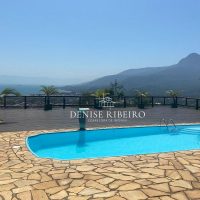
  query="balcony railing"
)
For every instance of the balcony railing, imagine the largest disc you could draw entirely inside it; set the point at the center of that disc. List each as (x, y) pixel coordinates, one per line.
(90, 101)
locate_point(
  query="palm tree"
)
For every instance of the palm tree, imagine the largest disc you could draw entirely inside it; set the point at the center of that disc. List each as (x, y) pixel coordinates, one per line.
(142, 97)
(173, 94)
(10, 91)
(100, 93)
(49, 90)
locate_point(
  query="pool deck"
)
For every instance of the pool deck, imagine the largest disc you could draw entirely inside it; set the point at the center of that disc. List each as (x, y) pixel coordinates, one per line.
(165, 176)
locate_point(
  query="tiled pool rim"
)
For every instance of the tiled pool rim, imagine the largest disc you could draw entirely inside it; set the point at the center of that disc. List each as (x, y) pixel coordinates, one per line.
(55, 185)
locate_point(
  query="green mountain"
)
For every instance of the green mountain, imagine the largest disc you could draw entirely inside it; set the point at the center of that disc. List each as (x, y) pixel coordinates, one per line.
(183, 76)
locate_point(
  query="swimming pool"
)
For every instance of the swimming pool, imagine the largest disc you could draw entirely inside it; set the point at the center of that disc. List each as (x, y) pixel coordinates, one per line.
(114, 142)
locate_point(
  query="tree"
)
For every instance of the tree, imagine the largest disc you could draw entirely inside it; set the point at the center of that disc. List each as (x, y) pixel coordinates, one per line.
(49, 90)
(116, 89)
(10, 91)
(101, 93)
(173, 94)
(142, 97)
(140, 93)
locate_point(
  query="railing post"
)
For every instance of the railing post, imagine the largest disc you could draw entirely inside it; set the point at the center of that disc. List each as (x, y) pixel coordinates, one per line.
(124, 102)
(186, 101)
(152, 102)
(197, 104)
(79, 103)
(63, 102)
(4, 101)
(25, 102)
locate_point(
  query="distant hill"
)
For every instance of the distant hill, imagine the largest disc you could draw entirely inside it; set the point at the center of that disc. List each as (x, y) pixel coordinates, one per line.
(23, 89)
(183, 76)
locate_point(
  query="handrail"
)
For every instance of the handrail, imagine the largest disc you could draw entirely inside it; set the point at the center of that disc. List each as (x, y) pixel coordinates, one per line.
(172, 121)
(163, 120)
(167, 123)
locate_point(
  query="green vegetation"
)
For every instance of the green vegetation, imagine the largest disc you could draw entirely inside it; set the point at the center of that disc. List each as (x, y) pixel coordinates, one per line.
(142, 98)
(173, 94)
(101, 93)
(10, 91)
(116, 89)
(49, 90)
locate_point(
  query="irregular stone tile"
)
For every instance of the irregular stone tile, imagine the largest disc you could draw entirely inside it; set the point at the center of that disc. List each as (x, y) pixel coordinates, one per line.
(60, 195)
(61, 171)
(117, 184)
(75, 189)
(65, 181)
(77, 183)
(45, 177)
(24, 196)
(118, 169)
(7, 195)
(55, 189)
(193, 169)
(39, 195)
(94, 184)
(154, 193)
(6, 187)
(183, 161)
(129, 186)
(34, 176)
(166, 198)
(166, 167)
(159, 172)
(22, 183)
(164, 187)
(5, 182)
(120, 177)
(84, 168)
(143, 182)
(160, 180)
(186, 175)
(196, 185)
(176, 164)
(140, 175)
(104, 194)
(179, 196)
(115, 198)
(193, 194)
(181, 183)
(90, 191)
(34, 169)
(78, 198)
(173, 174)
(45, 185)
(19, 175)
(92, 177)
(76, 175)
(59, 176)
(133, 195)
(176, 189)
(22, 189)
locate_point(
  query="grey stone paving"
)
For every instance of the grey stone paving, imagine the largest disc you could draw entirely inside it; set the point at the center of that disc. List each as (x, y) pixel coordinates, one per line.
(37, 119)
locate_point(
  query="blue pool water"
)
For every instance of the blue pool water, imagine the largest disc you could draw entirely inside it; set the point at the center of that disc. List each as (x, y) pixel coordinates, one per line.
(114, 142)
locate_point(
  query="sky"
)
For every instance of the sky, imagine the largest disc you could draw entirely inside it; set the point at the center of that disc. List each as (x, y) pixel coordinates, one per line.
(75, 41)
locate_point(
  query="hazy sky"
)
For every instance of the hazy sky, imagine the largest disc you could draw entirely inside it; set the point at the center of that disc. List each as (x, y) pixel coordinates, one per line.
(80, 40)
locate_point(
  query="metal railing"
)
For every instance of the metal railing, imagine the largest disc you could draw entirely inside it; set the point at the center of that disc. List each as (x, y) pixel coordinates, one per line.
(90, 101)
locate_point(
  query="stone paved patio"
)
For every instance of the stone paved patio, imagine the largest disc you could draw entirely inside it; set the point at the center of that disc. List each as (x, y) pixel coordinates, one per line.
(166, 176)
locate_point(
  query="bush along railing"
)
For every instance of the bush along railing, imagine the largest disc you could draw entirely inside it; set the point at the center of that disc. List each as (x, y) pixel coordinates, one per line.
(49, 102)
